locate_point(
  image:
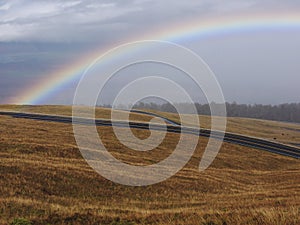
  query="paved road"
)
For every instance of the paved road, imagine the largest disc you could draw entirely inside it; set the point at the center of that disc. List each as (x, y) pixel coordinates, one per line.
(257, 143)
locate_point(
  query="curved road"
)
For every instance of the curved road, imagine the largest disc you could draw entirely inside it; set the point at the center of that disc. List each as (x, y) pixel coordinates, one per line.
(252, 142)
(175, 127)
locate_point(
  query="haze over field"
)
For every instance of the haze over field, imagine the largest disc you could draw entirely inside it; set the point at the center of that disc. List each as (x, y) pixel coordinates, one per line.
(253, 65)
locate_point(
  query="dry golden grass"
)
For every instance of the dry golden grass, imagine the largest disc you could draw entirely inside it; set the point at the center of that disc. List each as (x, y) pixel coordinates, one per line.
(283, 132)
(101, 113)
(45, 180)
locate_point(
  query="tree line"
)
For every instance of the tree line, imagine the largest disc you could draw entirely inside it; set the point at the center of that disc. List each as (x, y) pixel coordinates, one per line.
(289, 112)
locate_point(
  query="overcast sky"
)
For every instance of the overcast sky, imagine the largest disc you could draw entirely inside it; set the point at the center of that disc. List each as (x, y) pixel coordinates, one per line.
(40, 36)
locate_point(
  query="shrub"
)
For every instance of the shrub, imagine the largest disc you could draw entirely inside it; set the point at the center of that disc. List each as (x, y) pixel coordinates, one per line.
(20, 221)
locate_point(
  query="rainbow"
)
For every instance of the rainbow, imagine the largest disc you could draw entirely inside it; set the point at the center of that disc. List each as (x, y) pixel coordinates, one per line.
(176, 32)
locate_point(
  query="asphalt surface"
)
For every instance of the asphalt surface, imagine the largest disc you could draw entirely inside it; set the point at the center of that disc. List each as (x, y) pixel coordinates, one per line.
(174, 127)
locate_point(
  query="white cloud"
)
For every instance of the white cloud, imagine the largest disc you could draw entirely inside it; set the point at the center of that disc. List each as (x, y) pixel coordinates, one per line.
(22, 13)
(5, 6)
(100, 5)
(54, 20)
(77, 19)
(70, 4)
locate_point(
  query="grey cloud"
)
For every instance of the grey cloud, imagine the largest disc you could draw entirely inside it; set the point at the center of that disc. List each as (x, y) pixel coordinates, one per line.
(40, 36)
(62, 20)
(78, 20)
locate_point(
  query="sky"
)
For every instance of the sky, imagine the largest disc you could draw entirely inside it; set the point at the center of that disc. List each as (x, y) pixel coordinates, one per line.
(40, 37)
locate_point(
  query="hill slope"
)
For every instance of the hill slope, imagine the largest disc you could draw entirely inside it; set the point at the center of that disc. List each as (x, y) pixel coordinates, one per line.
(45, 180)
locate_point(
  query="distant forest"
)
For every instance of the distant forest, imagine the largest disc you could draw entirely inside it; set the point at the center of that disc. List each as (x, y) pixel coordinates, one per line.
(283, 112)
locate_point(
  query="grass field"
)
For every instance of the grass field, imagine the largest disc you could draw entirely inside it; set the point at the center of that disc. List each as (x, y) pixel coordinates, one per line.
(101, 113)
(287, 133)
(45, 180)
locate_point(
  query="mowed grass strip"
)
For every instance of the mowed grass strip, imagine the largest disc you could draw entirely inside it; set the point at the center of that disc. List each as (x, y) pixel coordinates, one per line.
(45, 180)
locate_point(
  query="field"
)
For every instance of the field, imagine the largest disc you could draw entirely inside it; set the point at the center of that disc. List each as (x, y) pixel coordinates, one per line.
(283, 132)
(45, 180)
(287, 133)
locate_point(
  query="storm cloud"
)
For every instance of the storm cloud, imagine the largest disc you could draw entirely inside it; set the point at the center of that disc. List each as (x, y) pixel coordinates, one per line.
(39, 37)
